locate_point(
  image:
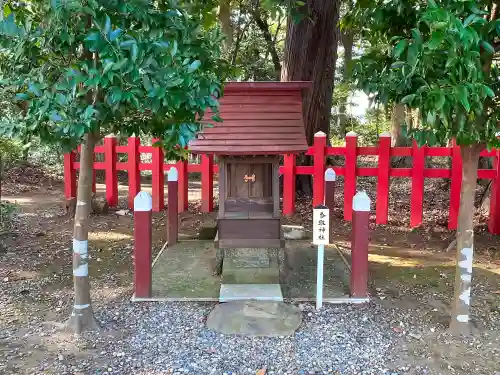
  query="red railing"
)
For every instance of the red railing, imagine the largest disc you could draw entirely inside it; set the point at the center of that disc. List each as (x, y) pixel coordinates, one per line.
(319, 151)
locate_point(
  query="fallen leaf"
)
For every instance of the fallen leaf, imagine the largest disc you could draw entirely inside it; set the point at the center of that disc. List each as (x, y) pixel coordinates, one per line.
(262, 371)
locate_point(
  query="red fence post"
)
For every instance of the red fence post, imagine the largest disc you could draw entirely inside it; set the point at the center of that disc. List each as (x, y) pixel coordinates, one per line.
(94, 177)
(207, 183)
(182, 168)
(69, 175)
(330, 178)
(384, 164)
(289, 163)
(134, 174)
(494, 222)
(455, 186)
(319, 168)
(351, 162)
(417, 185)
(158, 179)
(173, 209)
(111, 176)
(359, 245)
(143, 225)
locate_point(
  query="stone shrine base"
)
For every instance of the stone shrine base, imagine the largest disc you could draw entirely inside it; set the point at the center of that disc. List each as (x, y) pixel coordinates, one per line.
(184, 272)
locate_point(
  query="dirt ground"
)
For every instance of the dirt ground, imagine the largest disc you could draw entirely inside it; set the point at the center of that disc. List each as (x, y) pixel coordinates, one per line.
(409, 269)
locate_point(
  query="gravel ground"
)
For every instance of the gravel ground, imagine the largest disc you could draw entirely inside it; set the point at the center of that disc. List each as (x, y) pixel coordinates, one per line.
(173, 339)
(402, 332)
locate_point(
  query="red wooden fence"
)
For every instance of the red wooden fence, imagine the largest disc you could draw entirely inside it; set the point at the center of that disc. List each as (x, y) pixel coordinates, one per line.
(319, 151)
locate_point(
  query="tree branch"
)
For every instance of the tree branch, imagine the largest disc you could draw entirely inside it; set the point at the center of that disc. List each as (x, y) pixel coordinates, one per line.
(268, 37)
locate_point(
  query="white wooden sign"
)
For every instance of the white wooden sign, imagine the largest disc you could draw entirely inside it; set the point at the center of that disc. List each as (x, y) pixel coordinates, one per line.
(321, 226)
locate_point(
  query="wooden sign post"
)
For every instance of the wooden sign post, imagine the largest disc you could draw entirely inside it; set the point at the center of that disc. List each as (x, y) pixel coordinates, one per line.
(321, 237)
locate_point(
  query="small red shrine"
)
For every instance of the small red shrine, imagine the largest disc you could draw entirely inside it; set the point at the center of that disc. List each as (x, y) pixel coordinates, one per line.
(261, 120)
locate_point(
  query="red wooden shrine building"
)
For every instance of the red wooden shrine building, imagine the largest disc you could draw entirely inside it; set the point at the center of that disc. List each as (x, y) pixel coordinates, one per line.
(261, 120)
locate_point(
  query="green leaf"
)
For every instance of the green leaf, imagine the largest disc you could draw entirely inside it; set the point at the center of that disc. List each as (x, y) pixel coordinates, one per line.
(463, 94)
(217, 118)
(127, 43)
(147, 83)
(108, 64)
(469, 20)
(194, 66)
(54, 116)
(441, 99)
(408, 99)
(397, 64)
(120, 64)
(416, 35)
(89, 111)
(400, 48)
(436, 39)
(34, 89)
(431, 118)
(22, 96)
(92, 37)
(175, 46)
(413, 54)
(134, 52)
(488, 91)
(487, 46)
(107, 26)
(114, 34)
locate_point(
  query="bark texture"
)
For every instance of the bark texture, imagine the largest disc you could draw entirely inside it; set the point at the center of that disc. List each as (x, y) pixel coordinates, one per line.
(397, 119)
(310, 55)
(82, 318)
(465, 241)
(347, 43)
(226, 24)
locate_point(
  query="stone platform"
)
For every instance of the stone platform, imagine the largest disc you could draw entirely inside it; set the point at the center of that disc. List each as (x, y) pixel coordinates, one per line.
(250, 274)
(184, 272)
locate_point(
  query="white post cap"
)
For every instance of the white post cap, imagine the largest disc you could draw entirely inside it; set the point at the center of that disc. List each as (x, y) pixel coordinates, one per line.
(330, 175)
(172, 174)
(143, 202)
(320, 134)
(361, 202)
(351, 134)
(385, 134)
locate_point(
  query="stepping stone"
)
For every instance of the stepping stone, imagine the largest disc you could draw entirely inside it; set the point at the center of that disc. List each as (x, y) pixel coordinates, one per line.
(243, 292)
(255, 318)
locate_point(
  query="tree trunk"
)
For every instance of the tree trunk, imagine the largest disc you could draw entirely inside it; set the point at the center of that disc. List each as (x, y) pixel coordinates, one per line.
(226, 24)
(465, 241)
(347, 43)
(82, 317)
(310, 55)
(397, 119)
(263, 26)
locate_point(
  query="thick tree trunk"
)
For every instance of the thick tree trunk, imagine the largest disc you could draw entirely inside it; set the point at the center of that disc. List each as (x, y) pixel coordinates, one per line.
(398, 139)
(82, 317)
(310, 55)
(347, 43)
(465, 241)
(397, 119)
(226, 24)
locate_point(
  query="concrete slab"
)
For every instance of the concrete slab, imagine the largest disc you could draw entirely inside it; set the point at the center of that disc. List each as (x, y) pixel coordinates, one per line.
(259, 292)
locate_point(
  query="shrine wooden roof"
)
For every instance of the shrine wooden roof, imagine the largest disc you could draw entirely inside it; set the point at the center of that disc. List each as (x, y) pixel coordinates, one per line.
(259, 118)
